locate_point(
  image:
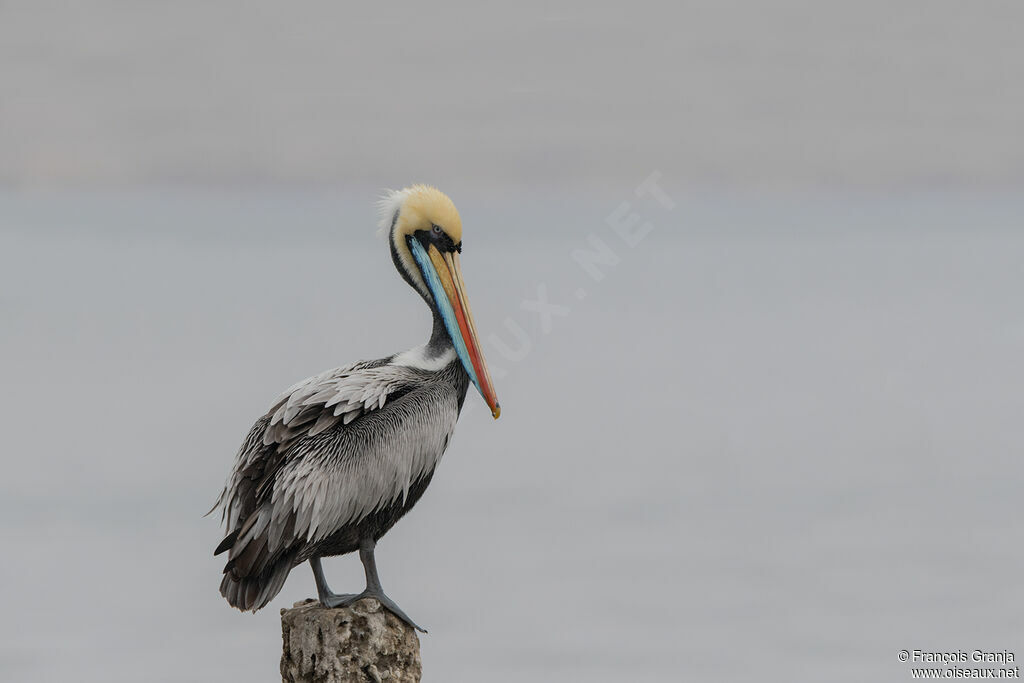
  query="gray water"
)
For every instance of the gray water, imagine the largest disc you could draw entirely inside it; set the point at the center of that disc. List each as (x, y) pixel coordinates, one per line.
(779, 440)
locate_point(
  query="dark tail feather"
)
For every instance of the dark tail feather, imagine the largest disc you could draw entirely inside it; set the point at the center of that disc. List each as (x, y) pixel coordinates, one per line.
(226, 544)
(250, 593)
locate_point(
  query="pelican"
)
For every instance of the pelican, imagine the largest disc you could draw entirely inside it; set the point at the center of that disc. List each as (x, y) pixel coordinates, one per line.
(340, 457)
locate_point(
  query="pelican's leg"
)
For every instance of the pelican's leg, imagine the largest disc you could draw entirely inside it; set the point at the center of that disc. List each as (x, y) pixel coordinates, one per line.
(373, 587)
(327, 598)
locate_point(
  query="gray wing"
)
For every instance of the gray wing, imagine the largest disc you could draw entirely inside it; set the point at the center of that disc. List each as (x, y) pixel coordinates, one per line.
(333, 449)
(267, 443)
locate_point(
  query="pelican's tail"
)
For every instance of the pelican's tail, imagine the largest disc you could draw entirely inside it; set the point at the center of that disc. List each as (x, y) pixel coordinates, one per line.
(250, 593)
(254, 574)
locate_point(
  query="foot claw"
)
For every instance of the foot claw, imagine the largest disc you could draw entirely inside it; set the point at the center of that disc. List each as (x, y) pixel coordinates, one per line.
(390, 605)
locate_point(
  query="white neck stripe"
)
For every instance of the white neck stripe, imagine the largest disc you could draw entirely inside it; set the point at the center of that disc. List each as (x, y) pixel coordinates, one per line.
(418, 358)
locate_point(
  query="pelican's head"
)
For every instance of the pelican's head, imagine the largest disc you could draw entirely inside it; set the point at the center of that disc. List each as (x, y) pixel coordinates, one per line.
(425, 233)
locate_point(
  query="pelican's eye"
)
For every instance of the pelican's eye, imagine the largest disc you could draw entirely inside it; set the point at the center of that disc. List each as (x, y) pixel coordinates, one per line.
(436, 229)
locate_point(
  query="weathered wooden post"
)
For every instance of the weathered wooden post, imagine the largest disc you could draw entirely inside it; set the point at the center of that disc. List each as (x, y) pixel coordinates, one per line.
(363, 643)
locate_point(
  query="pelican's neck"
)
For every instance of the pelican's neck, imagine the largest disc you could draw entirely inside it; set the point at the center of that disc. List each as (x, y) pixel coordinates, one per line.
(436, 354)
(440, 341)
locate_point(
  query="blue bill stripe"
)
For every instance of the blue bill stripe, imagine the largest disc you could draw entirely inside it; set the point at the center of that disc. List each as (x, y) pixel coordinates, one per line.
(444, 306)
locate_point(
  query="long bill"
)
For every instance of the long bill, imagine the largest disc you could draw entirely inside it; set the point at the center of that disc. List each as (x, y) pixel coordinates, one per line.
(444, 277)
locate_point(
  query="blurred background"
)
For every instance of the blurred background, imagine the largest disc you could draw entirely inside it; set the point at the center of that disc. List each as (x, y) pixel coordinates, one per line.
(773, 431)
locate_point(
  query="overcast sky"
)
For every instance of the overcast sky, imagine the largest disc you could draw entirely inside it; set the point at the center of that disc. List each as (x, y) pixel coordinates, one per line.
(790, 94)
